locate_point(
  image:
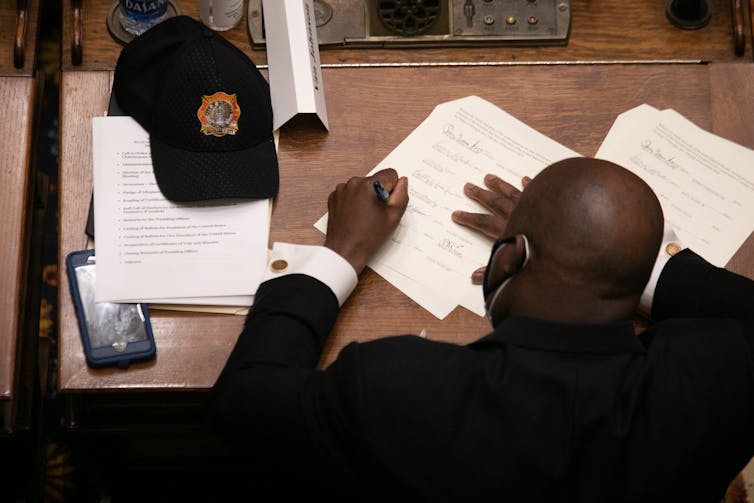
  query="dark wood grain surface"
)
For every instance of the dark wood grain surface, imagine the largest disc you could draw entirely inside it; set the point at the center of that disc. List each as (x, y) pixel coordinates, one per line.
(600, 30)
(17, 96)
(372, 110)
(8, 35)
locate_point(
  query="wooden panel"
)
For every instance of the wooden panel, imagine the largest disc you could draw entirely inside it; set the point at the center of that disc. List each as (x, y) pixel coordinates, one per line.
(16, 93)
(370, 111)
(8, 35)
(600, 30)
(732, 88)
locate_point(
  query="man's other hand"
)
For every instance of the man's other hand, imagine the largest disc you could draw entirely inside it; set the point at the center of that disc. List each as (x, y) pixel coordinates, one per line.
(500, 199)
(359, 223)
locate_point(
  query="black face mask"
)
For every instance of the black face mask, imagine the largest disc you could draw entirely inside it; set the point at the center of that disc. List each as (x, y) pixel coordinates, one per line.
(492, 291)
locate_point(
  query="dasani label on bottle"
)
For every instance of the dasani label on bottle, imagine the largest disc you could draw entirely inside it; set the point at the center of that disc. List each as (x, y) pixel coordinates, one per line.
(137, 16)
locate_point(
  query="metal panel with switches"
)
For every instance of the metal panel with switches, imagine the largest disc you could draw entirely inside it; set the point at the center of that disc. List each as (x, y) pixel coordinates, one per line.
(415, 23)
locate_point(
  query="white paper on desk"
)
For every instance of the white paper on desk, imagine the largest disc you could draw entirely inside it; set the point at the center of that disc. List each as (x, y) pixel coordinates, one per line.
(231, 302)
(439, 304)
(151, 248)
(705, 183)
(461, 141)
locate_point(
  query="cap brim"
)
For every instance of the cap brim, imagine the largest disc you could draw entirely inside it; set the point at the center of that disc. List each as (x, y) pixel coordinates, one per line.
(199, 176)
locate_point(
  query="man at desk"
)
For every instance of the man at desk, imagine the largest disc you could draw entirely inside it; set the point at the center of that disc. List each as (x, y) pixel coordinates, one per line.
(560, 402)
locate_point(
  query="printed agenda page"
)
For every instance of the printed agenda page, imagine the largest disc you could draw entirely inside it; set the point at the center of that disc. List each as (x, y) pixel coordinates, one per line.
(149, 248)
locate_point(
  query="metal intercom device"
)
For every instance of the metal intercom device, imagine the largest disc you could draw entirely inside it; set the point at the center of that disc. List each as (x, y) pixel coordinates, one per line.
(421, 23)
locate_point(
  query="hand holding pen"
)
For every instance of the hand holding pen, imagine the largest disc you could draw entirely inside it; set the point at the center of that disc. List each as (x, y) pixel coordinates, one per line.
(382, 193)
(363, 213)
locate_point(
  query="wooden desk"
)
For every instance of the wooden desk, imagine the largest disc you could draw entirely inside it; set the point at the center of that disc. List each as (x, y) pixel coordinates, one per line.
(600, 30)
(17, 94)
(371, 111)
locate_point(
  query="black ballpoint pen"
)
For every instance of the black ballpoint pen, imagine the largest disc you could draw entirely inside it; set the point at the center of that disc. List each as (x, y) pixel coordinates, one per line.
(382, 193)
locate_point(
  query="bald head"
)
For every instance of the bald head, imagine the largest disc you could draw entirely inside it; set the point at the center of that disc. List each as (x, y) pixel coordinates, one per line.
(593, 226)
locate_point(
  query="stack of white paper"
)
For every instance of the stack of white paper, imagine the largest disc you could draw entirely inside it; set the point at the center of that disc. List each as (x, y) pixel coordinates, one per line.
(430, 258)
(705, 185)
(149, 249)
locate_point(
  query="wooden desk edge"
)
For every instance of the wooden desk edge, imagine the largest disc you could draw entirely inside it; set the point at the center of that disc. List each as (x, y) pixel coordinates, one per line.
(83, 95)
(16, 180)
(590, 31)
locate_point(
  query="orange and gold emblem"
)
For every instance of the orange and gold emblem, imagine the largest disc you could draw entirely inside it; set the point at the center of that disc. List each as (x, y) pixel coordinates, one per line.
(219, 114)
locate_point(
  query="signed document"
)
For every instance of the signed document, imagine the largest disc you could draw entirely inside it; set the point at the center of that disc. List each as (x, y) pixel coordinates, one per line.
(429, 257)
(704, 182)
(152, 249)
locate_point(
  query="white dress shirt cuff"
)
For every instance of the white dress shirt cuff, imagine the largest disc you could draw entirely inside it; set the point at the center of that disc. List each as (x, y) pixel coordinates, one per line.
(316, 261)
(669, 247)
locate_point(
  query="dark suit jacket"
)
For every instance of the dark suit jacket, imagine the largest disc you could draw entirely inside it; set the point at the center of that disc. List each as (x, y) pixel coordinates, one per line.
(534, 411)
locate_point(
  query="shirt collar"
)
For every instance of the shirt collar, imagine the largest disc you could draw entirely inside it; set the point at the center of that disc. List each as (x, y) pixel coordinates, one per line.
(607, 338)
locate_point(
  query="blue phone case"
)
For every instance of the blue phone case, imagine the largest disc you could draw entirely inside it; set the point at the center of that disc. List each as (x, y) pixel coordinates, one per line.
(141, 345)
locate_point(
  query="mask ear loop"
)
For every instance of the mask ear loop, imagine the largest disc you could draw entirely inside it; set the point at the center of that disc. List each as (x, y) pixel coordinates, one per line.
(497, 246)
(526, 251)
(488, 305)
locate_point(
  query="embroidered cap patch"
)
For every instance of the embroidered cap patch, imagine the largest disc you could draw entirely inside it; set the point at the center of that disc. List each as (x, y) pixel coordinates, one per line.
(219, 114)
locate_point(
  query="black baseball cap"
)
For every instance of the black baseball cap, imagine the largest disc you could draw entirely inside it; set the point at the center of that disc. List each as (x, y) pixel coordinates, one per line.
(206, 108)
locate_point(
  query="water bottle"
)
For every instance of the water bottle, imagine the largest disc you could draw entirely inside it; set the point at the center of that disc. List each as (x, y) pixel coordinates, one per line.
(137, 16)
(221, 15)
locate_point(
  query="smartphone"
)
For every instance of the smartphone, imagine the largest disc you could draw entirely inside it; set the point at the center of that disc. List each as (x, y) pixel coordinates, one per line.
(112, 333)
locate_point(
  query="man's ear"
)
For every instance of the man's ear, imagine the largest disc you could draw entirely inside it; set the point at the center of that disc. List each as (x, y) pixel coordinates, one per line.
(512, 258)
